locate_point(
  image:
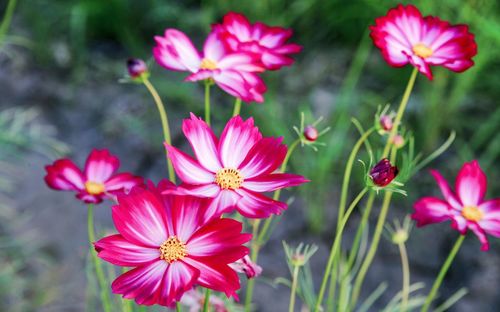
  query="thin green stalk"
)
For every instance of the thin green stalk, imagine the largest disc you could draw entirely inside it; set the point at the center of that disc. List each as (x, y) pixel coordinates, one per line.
(259, 239)
(206, 303)
(97, 264)
(405, 291)
(237, 107)
(164, 122)
(335, 248)
(207, 102)
(442, 273)
(295, 280)
(7, 19)
(178, 307)
(360, 230)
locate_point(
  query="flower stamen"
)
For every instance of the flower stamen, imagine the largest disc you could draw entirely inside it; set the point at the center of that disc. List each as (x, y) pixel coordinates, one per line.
(422, 50)
(472, 213)
(228, 178)
(208, 64)
(172, 250)
(94, 188)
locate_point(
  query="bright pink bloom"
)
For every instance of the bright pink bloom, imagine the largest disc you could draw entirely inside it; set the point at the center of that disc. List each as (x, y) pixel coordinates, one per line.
(235, 73)
(266, 41)
(98, 179)
(171, 247)
(467, 209)
(404, 36)
(247, 266)
(234, 170)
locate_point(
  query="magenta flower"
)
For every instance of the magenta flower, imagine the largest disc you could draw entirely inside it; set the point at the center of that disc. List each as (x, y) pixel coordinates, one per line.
(404, 36)
(466, 209)
(247, 266)
(234, 170)
(383, 173)
(235, 73)
(269, 43)
(171, 247)
(98, 179)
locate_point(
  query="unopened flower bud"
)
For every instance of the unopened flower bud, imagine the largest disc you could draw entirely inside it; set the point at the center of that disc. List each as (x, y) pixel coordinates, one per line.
(398, 141)
(311, 133)
(383, 173)
(400, 236)
(136, 67)
(247, 266)
(386, 122)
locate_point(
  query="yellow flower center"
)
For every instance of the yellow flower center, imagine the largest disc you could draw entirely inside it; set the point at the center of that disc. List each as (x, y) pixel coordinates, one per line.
(172, 250)
(94, 188)
(422, 50)
(208, 64)
(228, 178)
(472, 213)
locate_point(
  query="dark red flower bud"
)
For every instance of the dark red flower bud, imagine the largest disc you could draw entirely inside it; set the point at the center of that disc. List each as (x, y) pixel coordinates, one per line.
(136, 67)
(383, 173)
(386, 122)
(311, 133)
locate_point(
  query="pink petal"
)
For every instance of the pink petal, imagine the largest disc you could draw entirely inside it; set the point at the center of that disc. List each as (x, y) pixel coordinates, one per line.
(245, 265)
(485, 245)
(64, 175)
(213, 49)
(430, 210)
(449, 196)
(100, 166)
(273, 182)
(238, 25)
(119, 251)
(221, 238)
(205, 190)
(274, 61)
(255, 205)
(123, 182)
(203, 142)
(275, 37)
(471, 184)
(202, 74)
(188, 214)
(240, 62)
(490, 206)
(140, 217)
(459, 223)
(179, 278)
(176, 51)
(142, 283)
(215, 275)
(89, 199)
(188, 170)
(264, 157)
(233, 83)
(236, 140)
(421, 65)
(224, 202)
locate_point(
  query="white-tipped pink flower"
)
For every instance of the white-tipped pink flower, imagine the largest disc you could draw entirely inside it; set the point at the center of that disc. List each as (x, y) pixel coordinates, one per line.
(269, 43)
(247, 266)
(235, 73)
(467, 209)
(404, 36)
(97, 181)
(171, 246)
(234, 170)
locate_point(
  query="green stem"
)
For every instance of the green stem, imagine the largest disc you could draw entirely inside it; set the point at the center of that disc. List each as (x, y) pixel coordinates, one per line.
(295, 280)
(7, 18)
(178, 307)
(126, 303)
(164, 122)
(360, 230)
(207, 102)
(442, 273)
(206, 303)
(405, 291)
(98, 268)
(335, 248)
(400, 113)
(237, 107)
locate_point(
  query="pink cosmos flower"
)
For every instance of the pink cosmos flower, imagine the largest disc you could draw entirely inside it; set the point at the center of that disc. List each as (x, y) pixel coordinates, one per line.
(404, 36)
(235, 73)
(98, 179)
(171, 247)
(234, 170)
(466, 209)
(266, 41)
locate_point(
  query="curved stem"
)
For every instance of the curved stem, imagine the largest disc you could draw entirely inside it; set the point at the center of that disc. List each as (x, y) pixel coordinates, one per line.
(206, 303)
(405, 291)
(335, 248)
(442, 273)
(207, 102)
(101, 279)
(164, 122)
(237, 107)
(295, 279)
(360, 230)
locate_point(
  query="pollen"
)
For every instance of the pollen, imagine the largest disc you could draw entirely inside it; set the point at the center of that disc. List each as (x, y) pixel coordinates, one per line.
(172, 250)
(208, 64)
(228, 178)
(472, 213)
(94, 188)
(422, 50)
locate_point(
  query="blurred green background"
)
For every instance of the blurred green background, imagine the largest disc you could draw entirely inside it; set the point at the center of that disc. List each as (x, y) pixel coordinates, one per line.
(62, 59)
